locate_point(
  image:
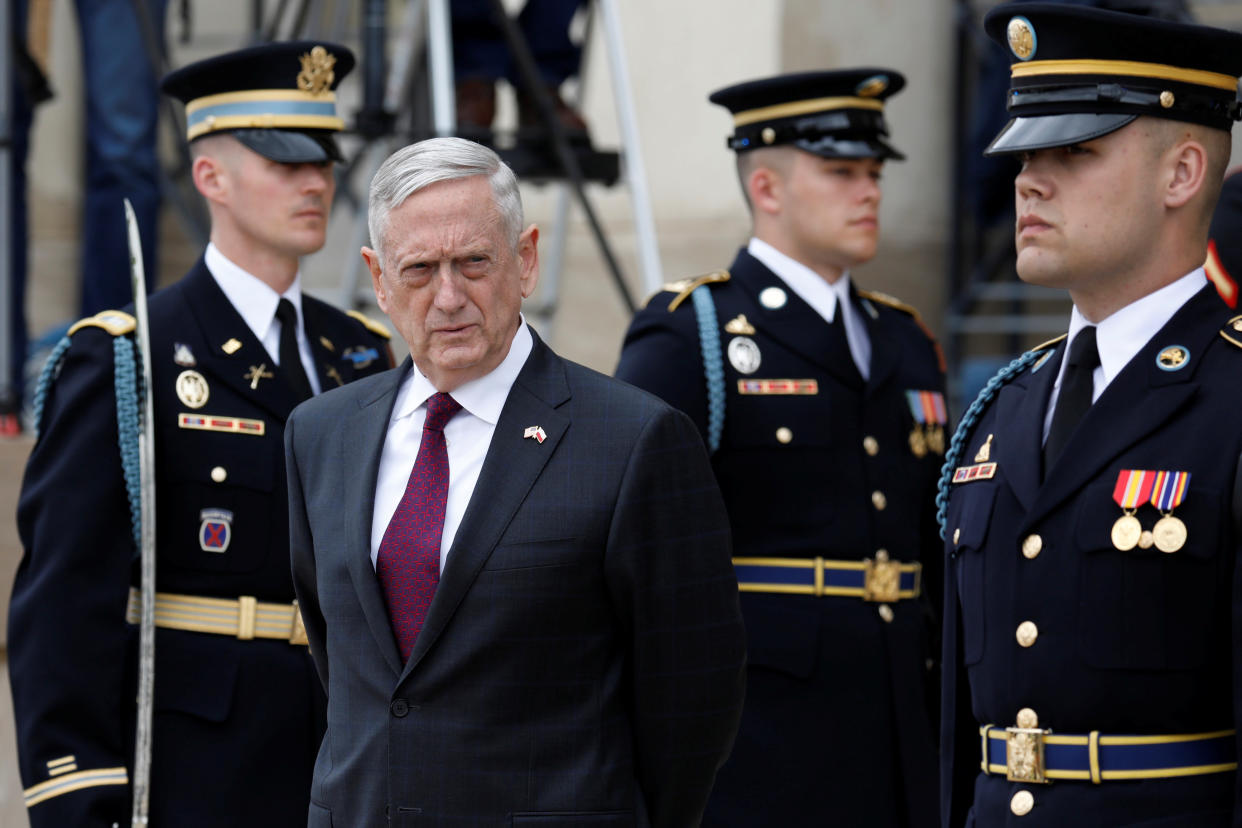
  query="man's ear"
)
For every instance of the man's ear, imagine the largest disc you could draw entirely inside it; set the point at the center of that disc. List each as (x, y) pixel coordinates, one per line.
(765, 187)
(528, 260)
(372, 258)
(210, 178)
(1188, 166)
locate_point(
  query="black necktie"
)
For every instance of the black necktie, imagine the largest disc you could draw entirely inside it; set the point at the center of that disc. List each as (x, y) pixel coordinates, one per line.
(290, 357)
(1075, 395)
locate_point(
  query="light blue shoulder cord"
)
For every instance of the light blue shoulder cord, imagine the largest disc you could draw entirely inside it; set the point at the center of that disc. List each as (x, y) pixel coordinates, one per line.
(51, 368)
(127, 420)
(962, 435)
(713, 363)
(126, 388)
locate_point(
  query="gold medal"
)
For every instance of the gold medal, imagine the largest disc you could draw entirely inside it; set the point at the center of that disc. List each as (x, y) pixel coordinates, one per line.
(1169, 533)
(1146, 539)
(1126, 532)
(918, 441)
(935, 439)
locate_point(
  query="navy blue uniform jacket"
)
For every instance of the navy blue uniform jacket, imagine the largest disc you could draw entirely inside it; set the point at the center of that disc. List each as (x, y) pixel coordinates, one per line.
(237, 723)
(581, 662)
(1135, 642)
(839, 716)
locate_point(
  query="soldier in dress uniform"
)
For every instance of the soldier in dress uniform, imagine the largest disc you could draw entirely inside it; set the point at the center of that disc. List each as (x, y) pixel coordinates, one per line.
(1092, 523)
(823, 407)
(235, 345)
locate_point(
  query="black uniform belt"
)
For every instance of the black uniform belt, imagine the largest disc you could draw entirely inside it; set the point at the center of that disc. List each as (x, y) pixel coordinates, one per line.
(244, 618)
(871, 580)
(1035, 755)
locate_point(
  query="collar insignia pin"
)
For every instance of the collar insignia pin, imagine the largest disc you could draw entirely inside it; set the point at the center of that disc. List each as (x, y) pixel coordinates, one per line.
(256, 373)
(1173, 358)
(231, 347)
(183, 356)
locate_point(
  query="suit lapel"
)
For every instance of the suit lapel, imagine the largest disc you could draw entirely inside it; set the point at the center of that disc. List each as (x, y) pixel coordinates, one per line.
(885, 355)
(233, 355)
(512, 465)
(1110, 426)
(794, 324)
(363, 438)
(1020, 409)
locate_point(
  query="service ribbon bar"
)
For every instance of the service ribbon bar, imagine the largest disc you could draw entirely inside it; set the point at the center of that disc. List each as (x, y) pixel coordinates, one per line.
(927, 407)
(979, 471)
(1169, 489)
(1133, 488)
(232, 425)
(778, 386)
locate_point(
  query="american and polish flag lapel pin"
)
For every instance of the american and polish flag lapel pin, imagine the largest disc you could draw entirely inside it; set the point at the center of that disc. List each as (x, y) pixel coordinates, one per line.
(535, 431)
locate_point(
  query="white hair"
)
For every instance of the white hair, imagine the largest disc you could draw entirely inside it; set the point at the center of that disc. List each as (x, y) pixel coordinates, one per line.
(420, 165)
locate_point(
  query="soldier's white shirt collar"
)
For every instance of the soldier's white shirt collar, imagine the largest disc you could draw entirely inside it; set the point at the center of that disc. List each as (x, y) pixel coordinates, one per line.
(823, 297)
(1121, 336)
(252, 298)
(483, 397)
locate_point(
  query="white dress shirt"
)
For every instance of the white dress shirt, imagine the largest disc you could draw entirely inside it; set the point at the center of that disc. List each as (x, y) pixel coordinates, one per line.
(1125, 332)
(467, 437)
(820, 294)
(255, 300)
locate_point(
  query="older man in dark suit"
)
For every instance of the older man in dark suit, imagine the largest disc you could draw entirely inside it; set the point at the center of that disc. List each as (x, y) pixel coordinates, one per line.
(520, 601)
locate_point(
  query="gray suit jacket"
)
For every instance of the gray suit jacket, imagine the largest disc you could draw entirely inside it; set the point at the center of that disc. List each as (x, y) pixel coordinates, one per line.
(582, 661)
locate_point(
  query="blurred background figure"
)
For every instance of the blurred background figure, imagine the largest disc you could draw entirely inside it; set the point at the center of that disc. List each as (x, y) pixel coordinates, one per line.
(481, 57)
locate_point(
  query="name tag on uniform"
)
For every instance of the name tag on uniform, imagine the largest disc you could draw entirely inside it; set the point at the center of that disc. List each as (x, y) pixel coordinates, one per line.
(979, 471)
(778, 386)
(231, 425)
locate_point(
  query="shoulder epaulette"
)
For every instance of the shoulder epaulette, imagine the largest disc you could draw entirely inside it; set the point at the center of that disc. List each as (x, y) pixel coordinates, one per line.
(1232, 331)
(115, 322)
(684, 287)
(896, 304)
(370, 324)
(890, 302)
(1045, 345)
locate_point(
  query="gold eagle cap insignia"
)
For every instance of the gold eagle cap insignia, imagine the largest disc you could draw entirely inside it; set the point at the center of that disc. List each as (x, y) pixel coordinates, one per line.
(1021, 36)
(317, 74)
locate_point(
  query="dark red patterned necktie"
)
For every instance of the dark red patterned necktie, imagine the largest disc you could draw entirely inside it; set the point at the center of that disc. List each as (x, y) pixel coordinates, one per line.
(408, 563)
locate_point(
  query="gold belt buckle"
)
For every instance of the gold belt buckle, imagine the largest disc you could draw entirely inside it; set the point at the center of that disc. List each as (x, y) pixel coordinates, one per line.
(881, 579)
(1024, 750)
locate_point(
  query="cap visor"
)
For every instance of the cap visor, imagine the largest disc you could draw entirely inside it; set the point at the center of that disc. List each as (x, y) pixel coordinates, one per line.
(837, 147)
(1044, 131)
(286, 146)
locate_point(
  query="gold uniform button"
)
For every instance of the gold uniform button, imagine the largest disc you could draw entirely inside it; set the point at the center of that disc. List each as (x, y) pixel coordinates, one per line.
(871, 445)
(886, 612)
(219, 474)
(1022, 803)
(1027, 633)
(1027, 718)
(957, 535)
(1032, 546)
(784, 435)
(879, 501)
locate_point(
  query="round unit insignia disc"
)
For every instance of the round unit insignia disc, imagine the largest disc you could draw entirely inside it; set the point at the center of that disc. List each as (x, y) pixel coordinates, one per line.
(1173, 358)
(872, 86)
(772, 298)
(1126, 532)
(1021, 36)
(744, 354)
(1169, 534)
(192, 389)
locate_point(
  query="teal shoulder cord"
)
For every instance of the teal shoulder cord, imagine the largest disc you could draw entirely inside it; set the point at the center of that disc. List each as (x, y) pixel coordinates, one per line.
(126, 384)
(50, 369)
(969, 419)
(713, 363)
